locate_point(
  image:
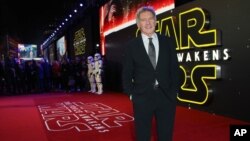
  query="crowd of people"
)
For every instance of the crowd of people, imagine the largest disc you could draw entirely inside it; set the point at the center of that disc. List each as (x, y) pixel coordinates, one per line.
(40, 76)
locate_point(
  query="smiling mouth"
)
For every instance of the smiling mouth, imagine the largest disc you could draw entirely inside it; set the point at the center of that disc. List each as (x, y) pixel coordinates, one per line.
(148, 27)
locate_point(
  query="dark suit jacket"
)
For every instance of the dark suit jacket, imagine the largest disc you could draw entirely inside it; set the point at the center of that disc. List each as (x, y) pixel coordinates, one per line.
(138, 74)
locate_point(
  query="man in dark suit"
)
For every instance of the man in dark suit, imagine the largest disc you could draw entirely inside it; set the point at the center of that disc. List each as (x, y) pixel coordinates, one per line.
(151, 79)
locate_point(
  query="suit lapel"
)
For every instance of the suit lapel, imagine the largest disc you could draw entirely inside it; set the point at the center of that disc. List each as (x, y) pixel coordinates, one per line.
(141, 47)
(159, 53)
(162, 50)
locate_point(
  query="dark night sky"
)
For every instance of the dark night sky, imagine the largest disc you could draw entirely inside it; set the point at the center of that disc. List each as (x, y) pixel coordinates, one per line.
(27, 19)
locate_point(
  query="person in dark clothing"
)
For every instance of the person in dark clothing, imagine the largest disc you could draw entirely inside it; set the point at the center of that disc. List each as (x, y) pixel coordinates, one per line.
(20, 72)
(78, 75)
(150, 78)
(2, 77)
(65, 72)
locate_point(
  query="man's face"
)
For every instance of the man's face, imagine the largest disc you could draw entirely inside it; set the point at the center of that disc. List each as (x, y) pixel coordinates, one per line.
(147, 23)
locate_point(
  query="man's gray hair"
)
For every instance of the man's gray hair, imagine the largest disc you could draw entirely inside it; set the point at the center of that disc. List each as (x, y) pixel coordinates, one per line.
(143, 9)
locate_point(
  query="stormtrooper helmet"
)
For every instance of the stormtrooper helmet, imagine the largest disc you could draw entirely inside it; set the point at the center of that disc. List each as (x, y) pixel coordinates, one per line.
(97, 56)
(90, 59)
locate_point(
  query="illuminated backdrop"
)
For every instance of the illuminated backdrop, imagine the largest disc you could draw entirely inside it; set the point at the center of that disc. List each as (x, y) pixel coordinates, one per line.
(213, 52)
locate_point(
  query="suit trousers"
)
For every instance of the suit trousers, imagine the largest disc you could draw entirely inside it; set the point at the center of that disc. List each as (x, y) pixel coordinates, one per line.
(153, 104)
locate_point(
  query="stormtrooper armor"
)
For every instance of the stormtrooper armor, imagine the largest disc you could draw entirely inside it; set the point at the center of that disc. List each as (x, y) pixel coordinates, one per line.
(98, 73)
(91, 75)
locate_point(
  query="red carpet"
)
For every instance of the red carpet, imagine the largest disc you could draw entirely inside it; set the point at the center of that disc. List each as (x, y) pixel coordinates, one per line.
(89, 117)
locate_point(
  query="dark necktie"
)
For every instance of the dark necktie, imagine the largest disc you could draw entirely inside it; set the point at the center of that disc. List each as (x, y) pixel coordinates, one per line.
(151, 52)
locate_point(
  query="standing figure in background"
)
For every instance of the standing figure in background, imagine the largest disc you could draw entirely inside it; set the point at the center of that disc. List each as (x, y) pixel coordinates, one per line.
(98, 72)
(91, 76)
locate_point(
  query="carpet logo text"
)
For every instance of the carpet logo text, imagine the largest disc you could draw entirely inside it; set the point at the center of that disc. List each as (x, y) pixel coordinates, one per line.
(81, 117)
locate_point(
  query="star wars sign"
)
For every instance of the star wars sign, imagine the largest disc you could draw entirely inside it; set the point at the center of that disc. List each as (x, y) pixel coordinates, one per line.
(81, 117)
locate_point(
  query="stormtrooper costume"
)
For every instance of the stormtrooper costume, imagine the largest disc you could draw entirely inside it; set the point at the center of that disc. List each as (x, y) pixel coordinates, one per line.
(91, 75)
(98, 72)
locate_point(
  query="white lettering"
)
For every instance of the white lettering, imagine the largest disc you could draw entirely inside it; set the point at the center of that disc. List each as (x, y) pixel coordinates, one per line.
(208, 55)
(216, 55)
(226, 55)
(188, 58)
(239, 132)
(197, 56)
(180, 56)
(205, 55)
